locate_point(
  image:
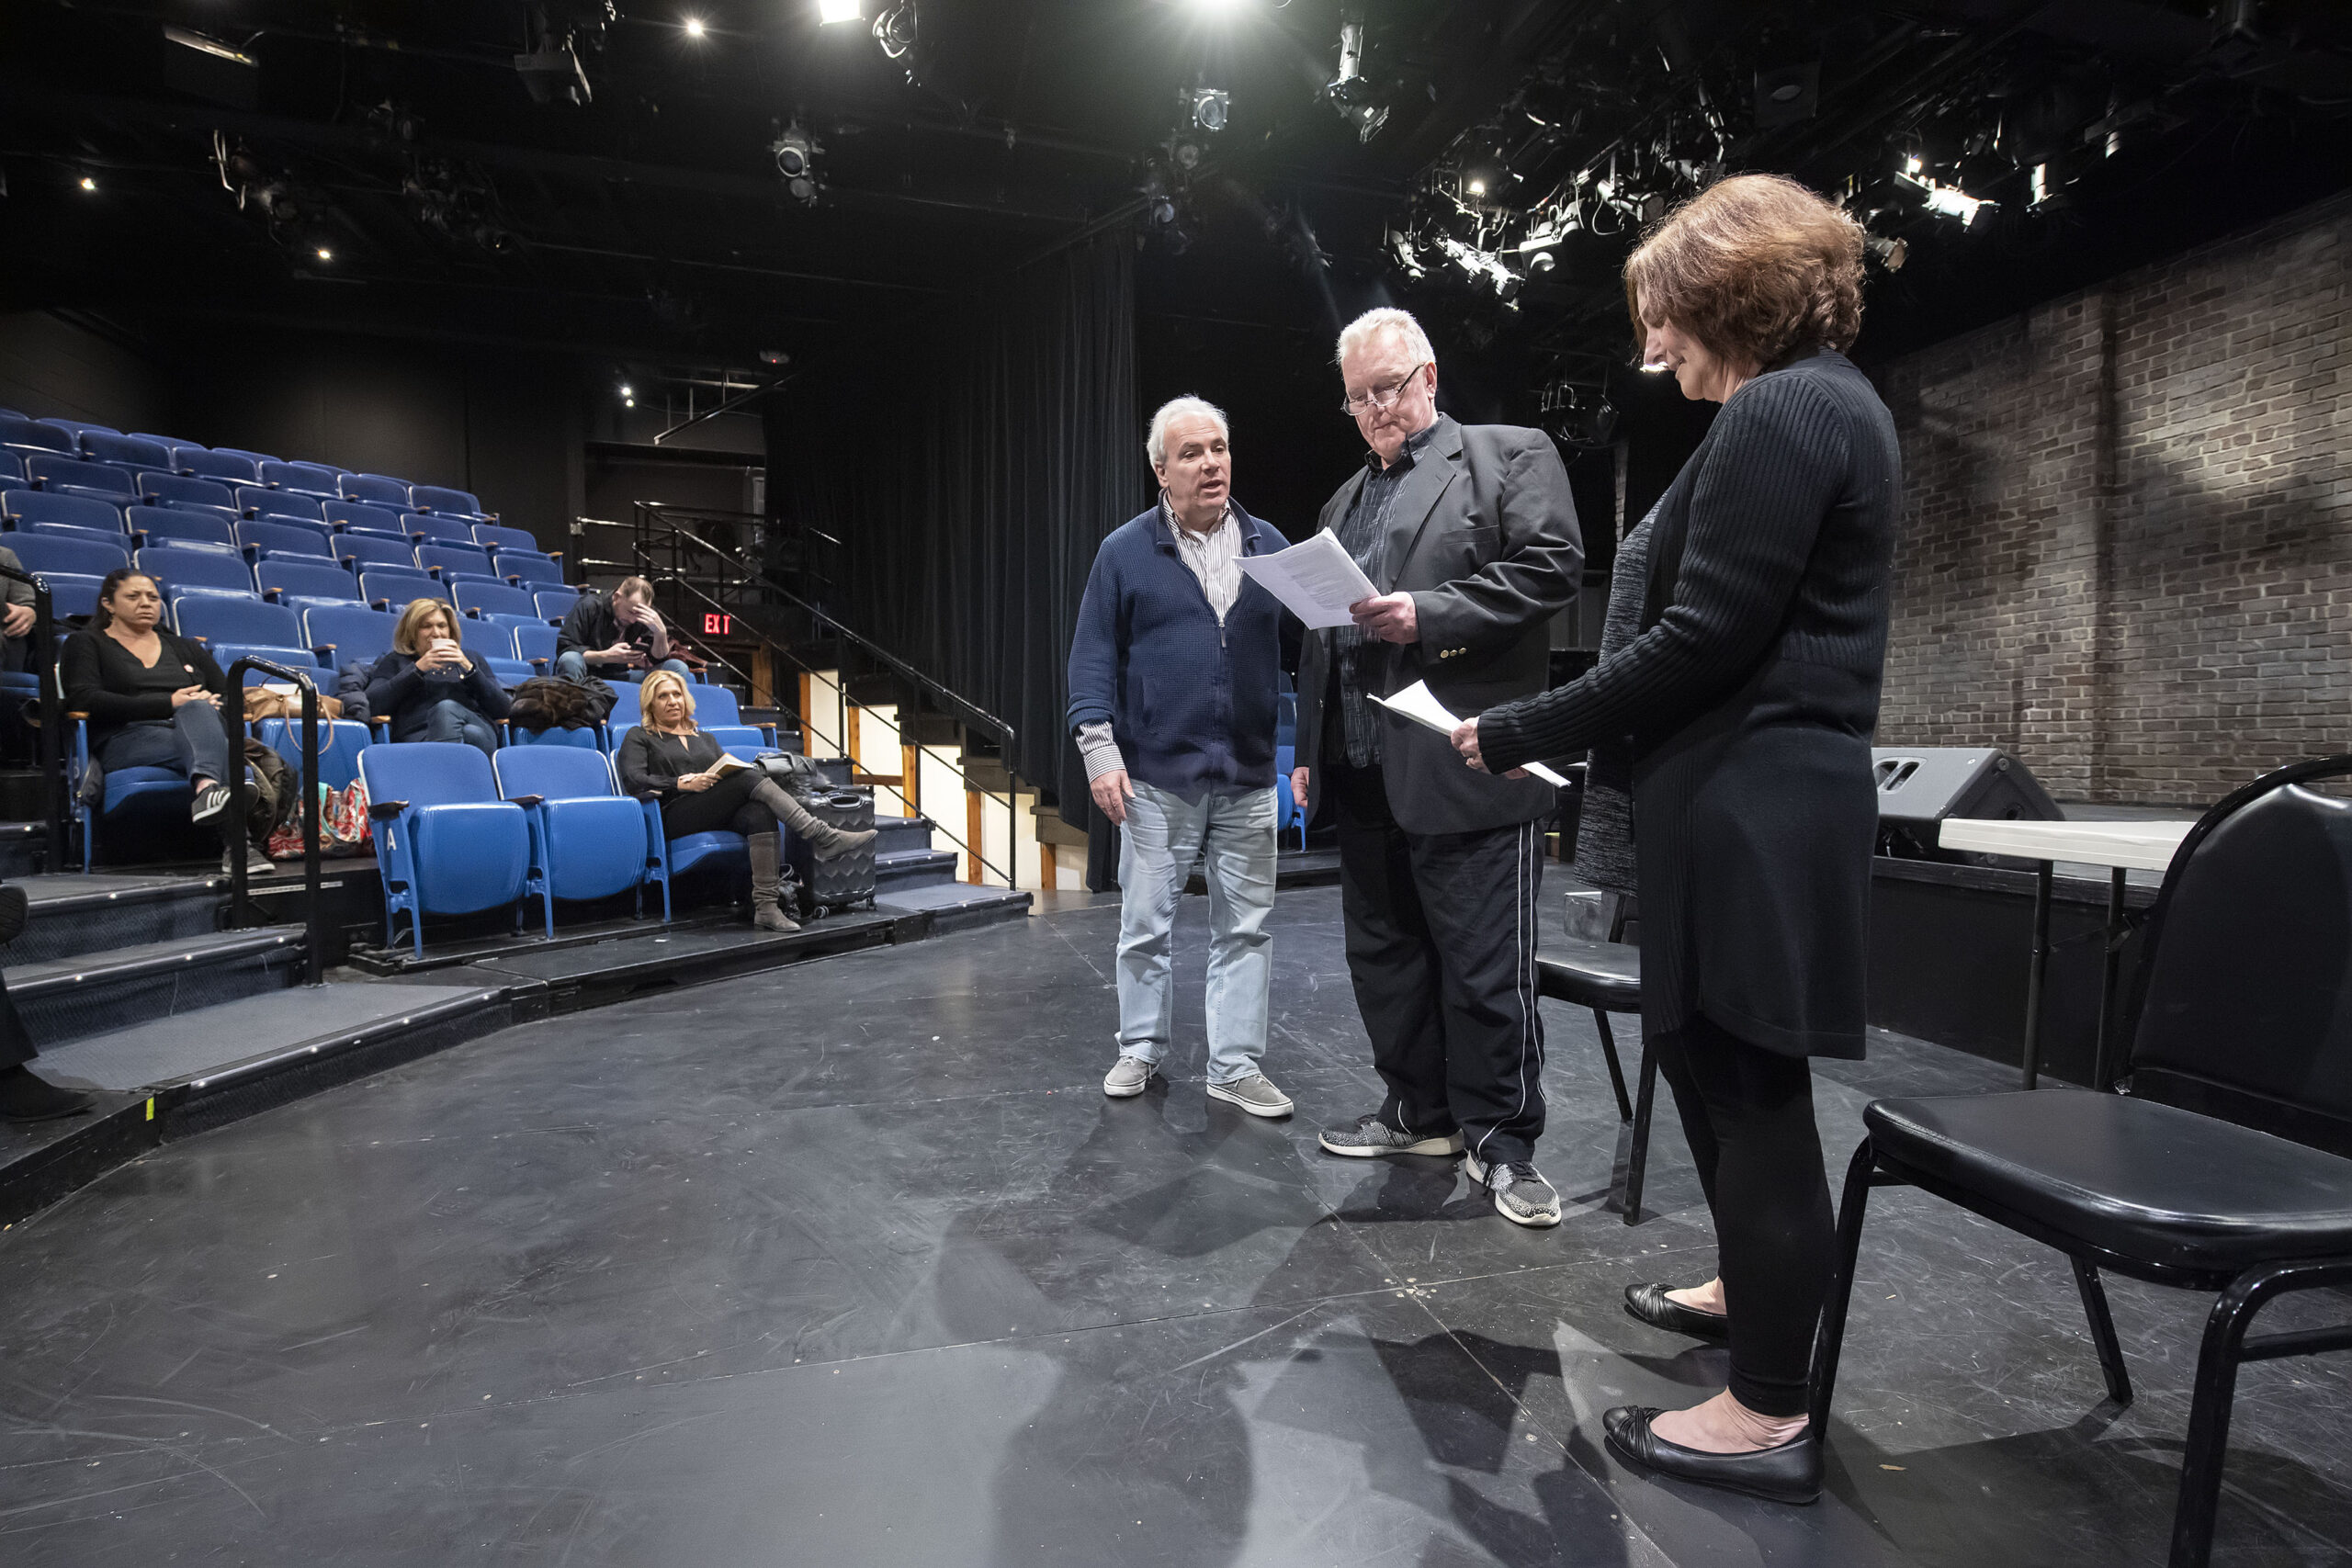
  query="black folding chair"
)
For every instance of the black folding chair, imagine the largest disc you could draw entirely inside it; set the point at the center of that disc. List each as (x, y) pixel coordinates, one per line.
(1607, 977)
(2238, 1024)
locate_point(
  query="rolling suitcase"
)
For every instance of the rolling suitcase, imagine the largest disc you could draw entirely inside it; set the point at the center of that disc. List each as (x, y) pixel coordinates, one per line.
(846, 881)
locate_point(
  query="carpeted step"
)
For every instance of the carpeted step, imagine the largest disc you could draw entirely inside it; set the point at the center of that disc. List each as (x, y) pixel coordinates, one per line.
(67, 998)
(72, 913)
(904, 869)
(954, 906)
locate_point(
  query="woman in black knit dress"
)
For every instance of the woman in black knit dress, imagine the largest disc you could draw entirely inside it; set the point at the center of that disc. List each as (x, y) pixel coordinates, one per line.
(669, 759)
(1749, 696)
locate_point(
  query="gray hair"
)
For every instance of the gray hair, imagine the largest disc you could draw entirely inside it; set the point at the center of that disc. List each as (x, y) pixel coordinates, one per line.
(1388, 319)
(1155, 445)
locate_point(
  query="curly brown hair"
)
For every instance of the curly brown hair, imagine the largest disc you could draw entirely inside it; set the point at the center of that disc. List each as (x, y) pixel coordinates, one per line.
(1754, 266)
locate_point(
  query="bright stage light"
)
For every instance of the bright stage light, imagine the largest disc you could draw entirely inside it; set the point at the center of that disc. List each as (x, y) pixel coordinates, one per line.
(324, 254)
(694, 27)
(1477, 187)
(89, 184)
(830, 11)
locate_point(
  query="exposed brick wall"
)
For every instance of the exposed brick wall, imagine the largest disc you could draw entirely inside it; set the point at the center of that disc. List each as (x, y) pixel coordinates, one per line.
(2126, 553)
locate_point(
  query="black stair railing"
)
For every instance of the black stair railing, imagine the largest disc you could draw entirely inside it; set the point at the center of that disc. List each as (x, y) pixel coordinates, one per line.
(314, 912)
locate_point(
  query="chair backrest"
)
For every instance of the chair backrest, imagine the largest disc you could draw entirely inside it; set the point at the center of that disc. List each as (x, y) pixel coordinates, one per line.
(238, 620)
(72, 594)
(2242, 1005)
(537, 640)
(626, 709)
(715, 704)
(301, 659)
(380, 488)
(529, 565)
(12, 469)
(23, 508)
(183, 572)
(283, 538)
(36, 436)
(128, 450)
(428, 772)
(255, 459)
(441, 530)
(81, 427)
(510, 628)
(50, 472)
(360, 514)
(497, 536)
(46, 553)
(398, 587)
(299, 577)
(281, 504)
(341, 741)
(557, 773)
(370, 551)
(227, 517)
(435, 498)
(160, 488)
(311, 478)
(453, 558)
(494, 599)
(165, 442)
(173, 525)
(357, 633)
(554, 604)
(229, 468)
(738, 739)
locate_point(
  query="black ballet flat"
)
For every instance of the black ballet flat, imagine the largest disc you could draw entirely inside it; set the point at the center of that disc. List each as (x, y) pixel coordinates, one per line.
(1652, 1306)
(1789, 1472)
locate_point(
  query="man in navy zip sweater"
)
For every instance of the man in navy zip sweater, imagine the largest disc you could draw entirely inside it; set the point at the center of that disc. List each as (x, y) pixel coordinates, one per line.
(1172, 681)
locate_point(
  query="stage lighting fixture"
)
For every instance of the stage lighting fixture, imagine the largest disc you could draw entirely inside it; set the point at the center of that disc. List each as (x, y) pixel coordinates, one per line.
(831, 11)
(1891, 254)
(694, 27)
(1477, 188)
(89, 184)
(1349, 90)
(796, 159)
(323, 253)
(775, 357)
(207, 68)
(551, 73)
(1210, 105)
(1543, 261)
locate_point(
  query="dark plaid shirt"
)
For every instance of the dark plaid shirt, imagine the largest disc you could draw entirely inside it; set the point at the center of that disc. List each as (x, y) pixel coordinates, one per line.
(1362, 533)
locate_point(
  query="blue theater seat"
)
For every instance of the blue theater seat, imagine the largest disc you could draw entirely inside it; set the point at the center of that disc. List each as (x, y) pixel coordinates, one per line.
(134, 804)
(535, 642)
(342, 635)
(225, 620)
(493, 536)
(443, 561)
(12, 471)
(197, 572)
(255, 459)
(394, 588)
(165, 442)
(444, 841)
(258, 501)
(738, 740)
(592, 839)
(33, 435)
(341, 740)
(158, 490)
(533, 568)
(301, 583)
(308, 479)
(71, 594)
(45, 553)
(115, 536)
(180, 528)
(265, 537)
(228, 468)
(126, 451)
(438, 530)
(71, 476)
(23, 508)
(625, 715)
(380, 490)
(493, 599)
(554, 604)
(449, 503)
(82, 427)
(301, 659)
(360, 517)
(365, 552)
(227, 517)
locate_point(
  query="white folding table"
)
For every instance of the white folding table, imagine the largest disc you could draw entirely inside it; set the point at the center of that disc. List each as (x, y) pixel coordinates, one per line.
(2120, 846)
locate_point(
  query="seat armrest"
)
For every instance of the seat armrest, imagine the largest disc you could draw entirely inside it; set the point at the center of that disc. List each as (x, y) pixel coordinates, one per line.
(527, 801)
(385, 810)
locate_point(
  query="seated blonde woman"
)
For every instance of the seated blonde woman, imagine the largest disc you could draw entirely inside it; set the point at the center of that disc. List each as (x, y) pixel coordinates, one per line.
(427, 686)
(669, 758)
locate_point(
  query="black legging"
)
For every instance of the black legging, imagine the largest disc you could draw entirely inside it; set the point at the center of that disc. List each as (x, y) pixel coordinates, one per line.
(746, 803)
(1748, 1114)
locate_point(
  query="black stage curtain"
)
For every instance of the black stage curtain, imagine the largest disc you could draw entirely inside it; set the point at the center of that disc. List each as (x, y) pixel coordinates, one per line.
(971, 461)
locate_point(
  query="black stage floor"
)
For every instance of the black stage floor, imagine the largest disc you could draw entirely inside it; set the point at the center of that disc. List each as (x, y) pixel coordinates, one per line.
(852, 1264)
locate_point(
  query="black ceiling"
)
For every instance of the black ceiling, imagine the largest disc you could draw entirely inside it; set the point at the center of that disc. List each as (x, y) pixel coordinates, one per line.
(651, 225)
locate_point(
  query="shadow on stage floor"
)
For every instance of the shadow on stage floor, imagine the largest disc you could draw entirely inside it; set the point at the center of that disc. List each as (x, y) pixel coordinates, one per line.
(852, 1264)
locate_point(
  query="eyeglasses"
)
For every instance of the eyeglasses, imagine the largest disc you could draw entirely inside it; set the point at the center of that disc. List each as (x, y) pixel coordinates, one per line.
(1381, 397)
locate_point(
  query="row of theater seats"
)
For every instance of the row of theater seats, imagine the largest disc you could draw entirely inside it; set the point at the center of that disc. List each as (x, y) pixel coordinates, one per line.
(37, 447)
(459, 833)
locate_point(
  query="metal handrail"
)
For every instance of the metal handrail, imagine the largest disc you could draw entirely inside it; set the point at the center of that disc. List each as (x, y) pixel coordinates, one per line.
(41, 656)
(313, 916)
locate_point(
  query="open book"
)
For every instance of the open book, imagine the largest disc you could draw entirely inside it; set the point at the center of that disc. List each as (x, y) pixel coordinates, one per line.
(1418, 703)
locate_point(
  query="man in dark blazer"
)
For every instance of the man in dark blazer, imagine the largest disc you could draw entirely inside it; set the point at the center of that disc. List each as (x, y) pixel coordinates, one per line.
(1470, 535)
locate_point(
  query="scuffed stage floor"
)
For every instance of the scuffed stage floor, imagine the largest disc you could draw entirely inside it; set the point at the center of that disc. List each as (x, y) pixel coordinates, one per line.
(851, 1264)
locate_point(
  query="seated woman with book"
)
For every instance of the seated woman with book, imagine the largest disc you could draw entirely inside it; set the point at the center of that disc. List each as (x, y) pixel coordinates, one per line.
(704, 790)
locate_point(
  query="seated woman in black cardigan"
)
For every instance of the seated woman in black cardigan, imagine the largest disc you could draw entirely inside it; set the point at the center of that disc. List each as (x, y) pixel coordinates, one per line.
(668, 758)
(153, 699)
(427, 686)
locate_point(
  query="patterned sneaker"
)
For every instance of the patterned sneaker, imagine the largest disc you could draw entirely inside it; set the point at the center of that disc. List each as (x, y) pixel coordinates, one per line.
(1127, 1077)
(1522, 1195)
(1369, 1135)
(1256, 1094)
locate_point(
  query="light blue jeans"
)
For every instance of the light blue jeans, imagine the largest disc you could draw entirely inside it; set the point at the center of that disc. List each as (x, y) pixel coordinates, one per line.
(1234, 837)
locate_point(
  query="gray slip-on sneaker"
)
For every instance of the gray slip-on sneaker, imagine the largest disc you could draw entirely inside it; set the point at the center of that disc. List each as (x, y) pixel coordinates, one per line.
(1127, 1077)
(1256, 1094)
(1369, 1135)
(1522, 1195)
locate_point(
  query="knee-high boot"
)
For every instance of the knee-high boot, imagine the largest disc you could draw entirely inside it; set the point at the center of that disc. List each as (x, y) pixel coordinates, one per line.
(767, 884)
(824, 839)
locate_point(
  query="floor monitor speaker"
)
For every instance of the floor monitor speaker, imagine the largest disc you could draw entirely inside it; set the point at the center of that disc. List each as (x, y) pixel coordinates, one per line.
(1918, 787)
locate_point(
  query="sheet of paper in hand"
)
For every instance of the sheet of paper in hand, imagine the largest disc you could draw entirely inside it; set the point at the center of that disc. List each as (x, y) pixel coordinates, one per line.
(1316, 580)
(1418, 703)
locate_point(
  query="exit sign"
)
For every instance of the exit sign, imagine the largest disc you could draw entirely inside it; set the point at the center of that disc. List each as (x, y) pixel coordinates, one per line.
(715, 625)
